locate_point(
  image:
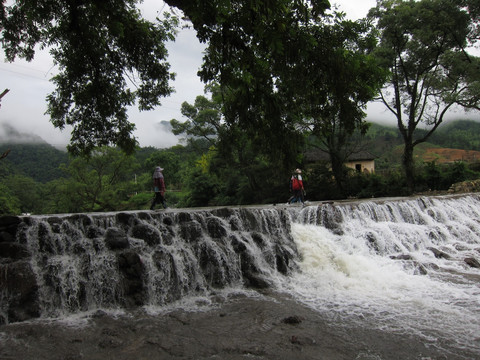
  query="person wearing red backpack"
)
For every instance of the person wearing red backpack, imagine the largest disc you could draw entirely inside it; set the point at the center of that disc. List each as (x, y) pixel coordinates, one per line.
(296, 187)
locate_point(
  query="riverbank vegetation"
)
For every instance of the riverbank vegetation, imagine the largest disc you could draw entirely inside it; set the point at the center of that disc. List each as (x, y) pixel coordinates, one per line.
(41, 179)
(282, 77)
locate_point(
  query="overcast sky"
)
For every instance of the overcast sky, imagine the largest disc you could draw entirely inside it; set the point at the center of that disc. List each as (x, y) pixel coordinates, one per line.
(24, 106)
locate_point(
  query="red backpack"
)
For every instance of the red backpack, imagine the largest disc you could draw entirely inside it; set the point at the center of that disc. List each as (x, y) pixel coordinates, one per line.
(295, 184)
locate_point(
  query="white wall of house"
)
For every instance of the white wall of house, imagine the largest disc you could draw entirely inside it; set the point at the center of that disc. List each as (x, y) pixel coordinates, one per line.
(362, 165)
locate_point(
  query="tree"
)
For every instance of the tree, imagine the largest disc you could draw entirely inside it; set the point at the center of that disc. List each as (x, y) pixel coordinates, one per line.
(9, 203)
(98, 183)
(27, 191)
(204, 118)
(97, 45)
(423, 45)
(339, 77)
(252, 47)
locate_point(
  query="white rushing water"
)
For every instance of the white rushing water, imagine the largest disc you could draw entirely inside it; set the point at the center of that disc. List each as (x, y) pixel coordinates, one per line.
(397, 266)
(377, 267)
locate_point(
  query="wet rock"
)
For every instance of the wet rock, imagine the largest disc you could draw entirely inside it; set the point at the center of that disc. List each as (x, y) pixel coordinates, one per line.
(6, 237)
(439, 254)
(125, 219)
(19, 286)
(223, 212)
(167, 277)
(258, 239)
(401, 257)
(215, 228)
(93, 232)
(55, 224)
(214, 265)
(254, 280)
(9, 224)
(147, 233)
(116, 239)
(420, 269)
(292, 320)
(191, 231)
(167, 220)
(133, 272)
(46, 240)
(331, 218)
(13, 251)
(80, 219)
(183, 217)
(249, 220)
(472, 262)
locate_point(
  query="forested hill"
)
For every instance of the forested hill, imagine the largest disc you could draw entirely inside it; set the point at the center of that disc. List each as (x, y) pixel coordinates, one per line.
(460, 134)
(41, 161)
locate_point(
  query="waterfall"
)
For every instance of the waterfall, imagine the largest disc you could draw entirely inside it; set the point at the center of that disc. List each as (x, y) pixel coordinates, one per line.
(90, 261)
(406, 265)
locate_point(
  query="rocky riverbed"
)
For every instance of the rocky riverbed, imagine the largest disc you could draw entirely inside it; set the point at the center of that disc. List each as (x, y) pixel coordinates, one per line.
(264, 327)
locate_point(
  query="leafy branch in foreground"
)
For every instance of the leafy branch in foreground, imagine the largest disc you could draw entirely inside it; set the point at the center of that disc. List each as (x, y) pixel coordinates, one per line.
(98, 47)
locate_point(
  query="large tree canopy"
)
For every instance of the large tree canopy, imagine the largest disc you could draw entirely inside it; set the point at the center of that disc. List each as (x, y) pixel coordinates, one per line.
(342, 77)
(99, 46)
(423, 44)
(254, 47)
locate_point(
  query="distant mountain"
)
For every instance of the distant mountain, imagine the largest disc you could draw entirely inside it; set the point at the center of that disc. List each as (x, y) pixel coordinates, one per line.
(387, 144)
(10, 135)
(39, 161)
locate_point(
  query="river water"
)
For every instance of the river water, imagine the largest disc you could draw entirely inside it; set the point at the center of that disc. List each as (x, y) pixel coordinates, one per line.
(396, 266)
(371, 279)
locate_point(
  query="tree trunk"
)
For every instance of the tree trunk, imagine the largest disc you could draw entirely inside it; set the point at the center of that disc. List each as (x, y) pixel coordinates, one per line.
(338, 173)
(408, 166)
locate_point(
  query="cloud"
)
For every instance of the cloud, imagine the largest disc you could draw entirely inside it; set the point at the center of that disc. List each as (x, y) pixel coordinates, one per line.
(24, 107)
(10, 135)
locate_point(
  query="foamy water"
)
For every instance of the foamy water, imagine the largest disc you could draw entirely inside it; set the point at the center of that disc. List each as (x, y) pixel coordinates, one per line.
(353, 273)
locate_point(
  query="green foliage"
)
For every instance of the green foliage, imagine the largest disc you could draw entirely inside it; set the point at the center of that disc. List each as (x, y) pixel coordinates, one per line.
(442, 177)
(202, 189)
(462, 134)
(9, 203)
(27, 191)
(423, 44)
(39, 161)
(100, 182)
(97, 47)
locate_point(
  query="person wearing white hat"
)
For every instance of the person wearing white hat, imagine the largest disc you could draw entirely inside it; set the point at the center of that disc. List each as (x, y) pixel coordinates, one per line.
(159, 186)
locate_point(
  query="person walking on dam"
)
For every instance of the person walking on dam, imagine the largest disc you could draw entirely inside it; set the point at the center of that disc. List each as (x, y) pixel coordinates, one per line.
(159, 187)
(296, 187)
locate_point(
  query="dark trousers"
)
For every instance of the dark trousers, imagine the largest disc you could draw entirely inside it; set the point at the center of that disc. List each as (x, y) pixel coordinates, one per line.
(297, 196)
(158, 199)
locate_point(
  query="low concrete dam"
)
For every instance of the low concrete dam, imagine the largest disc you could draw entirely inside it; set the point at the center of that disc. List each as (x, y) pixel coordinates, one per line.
(403, 270)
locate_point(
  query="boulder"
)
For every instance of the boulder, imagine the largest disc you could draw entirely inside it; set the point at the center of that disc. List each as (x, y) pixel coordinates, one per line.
(116, 239)
(13, 251)
(472, 262)
(19, 286)
(132, 271)
(439, 254)
(146, 233)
